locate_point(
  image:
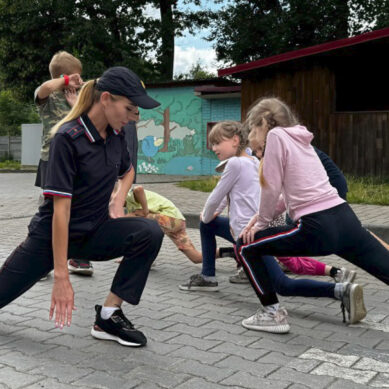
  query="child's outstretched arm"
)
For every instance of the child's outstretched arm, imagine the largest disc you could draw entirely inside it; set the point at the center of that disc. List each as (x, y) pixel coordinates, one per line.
(140, 197)
(48, 87)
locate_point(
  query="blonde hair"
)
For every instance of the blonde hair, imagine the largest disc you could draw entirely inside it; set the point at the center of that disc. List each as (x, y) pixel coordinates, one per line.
(86, 98)
(227, 129)
(64, 63)
(267, 113)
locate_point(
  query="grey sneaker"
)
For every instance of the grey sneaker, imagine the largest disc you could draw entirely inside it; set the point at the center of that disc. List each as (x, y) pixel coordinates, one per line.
(352, 302)
(345, 275)
(275, 322)
(239, 277)
(197, 282)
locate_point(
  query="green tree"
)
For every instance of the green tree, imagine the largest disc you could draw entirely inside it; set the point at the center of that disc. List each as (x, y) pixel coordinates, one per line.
(101, 33)
(252, 29)
(13, 113)
(196, 72)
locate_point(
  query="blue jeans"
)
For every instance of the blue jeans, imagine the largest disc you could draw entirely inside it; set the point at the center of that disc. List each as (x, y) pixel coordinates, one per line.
(286, 286)
(220, 226)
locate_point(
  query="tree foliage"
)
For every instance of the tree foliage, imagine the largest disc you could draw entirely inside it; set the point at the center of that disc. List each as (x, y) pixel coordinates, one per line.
(247, 30)
(101, 33)
(13, 113)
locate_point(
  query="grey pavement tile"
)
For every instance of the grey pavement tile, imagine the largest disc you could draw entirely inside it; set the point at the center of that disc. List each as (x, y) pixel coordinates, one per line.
(198, 383)
(284, 348)
(163, 378)
(247, 380)
(276, 358)
(208, 357)
(328, 344)
(14, 379)
(248, 353)
(210, 373)
(197, 343)
(28, 347)
(231, 339)
(346, 384)
(255, 368)
(104, 380)
(309, 380)
(64, 373)
(19, 361)
(303, 365)
(197, 332)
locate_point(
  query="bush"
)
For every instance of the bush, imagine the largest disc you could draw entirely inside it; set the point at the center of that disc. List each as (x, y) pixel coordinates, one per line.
(13, 113)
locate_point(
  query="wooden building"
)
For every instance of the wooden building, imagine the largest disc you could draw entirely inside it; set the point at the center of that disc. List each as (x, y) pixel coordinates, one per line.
(339, 90)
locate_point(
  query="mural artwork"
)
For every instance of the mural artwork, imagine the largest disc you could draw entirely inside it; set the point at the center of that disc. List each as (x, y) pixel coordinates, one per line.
(171, 139)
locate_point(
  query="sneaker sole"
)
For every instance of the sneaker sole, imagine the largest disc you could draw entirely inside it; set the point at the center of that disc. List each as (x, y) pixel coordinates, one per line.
(239, 281)
(350, 278)
(105, 336)
(76, 270)
(199, 288)
(357, 306)
(281, 329)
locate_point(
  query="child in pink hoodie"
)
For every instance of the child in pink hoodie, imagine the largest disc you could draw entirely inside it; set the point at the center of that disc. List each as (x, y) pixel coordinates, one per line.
(324, 222)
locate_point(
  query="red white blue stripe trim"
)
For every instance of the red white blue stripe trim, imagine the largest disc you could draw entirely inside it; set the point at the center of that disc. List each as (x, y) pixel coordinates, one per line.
(263, 240)
(50, 193)
(87, 132)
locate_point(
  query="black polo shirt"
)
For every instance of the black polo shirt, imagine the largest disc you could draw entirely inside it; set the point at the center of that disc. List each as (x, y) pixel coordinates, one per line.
(83, 167)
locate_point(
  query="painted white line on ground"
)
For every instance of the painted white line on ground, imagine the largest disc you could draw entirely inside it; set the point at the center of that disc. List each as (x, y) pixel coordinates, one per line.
(337, 359)
(370, 324)
(358, 376)
(361, 370)
(372, 364)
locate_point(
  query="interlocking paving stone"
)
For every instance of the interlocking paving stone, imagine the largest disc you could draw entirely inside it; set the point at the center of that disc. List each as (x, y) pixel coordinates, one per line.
(195, 340)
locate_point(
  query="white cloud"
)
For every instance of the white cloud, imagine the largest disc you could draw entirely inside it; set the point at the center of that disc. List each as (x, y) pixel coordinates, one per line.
(185, 57)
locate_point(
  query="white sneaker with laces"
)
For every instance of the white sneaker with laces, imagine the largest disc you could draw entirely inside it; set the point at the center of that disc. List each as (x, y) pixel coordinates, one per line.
(275, 322)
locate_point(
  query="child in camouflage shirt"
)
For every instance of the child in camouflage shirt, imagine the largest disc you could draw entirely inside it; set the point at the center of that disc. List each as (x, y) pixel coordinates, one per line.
(54, 99)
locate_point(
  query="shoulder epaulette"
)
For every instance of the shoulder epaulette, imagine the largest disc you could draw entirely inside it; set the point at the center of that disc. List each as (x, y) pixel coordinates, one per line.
(75, 131)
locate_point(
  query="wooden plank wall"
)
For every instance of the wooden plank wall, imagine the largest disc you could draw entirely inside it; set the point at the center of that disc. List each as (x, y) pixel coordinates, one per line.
(360, 141)
(357, 142)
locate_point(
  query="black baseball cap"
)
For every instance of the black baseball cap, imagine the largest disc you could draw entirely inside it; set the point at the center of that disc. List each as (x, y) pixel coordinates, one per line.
(121, 81)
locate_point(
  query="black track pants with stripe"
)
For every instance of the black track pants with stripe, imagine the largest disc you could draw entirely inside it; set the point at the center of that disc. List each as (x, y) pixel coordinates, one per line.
(333, 231)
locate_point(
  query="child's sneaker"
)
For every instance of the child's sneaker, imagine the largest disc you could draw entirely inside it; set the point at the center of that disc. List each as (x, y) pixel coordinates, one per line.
(80, 266)
(239, 277)
(275, 322)
(352, 302)
(345, 275)
(117, 328)
(198, 282)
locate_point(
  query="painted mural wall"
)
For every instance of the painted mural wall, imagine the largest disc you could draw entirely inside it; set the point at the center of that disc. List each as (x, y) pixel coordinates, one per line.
(172, 137)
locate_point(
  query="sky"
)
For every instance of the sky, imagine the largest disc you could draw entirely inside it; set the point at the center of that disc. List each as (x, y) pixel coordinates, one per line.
(189, 49)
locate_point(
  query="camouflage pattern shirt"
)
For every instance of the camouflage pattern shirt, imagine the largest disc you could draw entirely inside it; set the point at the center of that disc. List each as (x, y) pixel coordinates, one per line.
(51, 110)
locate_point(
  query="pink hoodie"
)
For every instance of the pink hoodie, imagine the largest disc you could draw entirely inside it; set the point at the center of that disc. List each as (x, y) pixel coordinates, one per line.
(292, 168)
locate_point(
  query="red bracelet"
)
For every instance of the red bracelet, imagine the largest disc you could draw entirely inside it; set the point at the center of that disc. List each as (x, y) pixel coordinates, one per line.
(66, 79)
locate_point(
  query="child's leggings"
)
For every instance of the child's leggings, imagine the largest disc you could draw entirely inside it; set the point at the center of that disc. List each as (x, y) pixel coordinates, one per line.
(280, 283)
(333, 231)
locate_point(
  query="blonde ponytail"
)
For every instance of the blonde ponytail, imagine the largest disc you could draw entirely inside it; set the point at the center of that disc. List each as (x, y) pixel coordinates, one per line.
(87, 96)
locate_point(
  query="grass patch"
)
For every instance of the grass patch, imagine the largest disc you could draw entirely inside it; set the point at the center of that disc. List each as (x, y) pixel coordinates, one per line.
(203, 185)
(12, 165)
(362, 190)
(368, 190)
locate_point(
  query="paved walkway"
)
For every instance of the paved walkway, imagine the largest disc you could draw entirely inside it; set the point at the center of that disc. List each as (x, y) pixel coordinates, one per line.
(195, 339)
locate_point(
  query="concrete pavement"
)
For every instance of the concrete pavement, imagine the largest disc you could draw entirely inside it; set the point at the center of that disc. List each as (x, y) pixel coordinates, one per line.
(195, 339)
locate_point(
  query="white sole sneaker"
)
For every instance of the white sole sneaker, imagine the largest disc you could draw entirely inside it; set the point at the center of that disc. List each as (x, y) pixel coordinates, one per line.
(77, 270)
(357, 305)
(199, 288)
(102, 335)
(280, 329)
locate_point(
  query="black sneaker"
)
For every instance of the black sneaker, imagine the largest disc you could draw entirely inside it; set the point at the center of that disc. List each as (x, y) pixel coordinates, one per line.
(117, 328)
(198, 282)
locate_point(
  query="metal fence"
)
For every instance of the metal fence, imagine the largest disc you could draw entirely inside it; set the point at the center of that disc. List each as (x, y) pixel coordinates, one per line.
(11, 147)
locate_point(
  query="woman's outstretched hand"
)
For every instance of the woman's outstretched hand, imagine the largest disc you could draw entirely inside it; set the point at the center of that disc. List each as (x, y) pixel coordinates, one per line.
(62, 302)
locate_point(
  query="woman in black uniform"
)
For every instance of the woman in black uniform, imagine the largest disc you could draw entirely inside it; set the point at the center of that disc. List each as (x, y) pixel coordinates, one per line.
(81, 218)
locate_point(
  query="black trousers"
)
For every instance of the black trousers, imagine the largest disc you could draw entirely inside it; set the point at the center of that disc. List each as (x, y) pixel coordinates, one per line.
(333, 231)
(138, 240)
